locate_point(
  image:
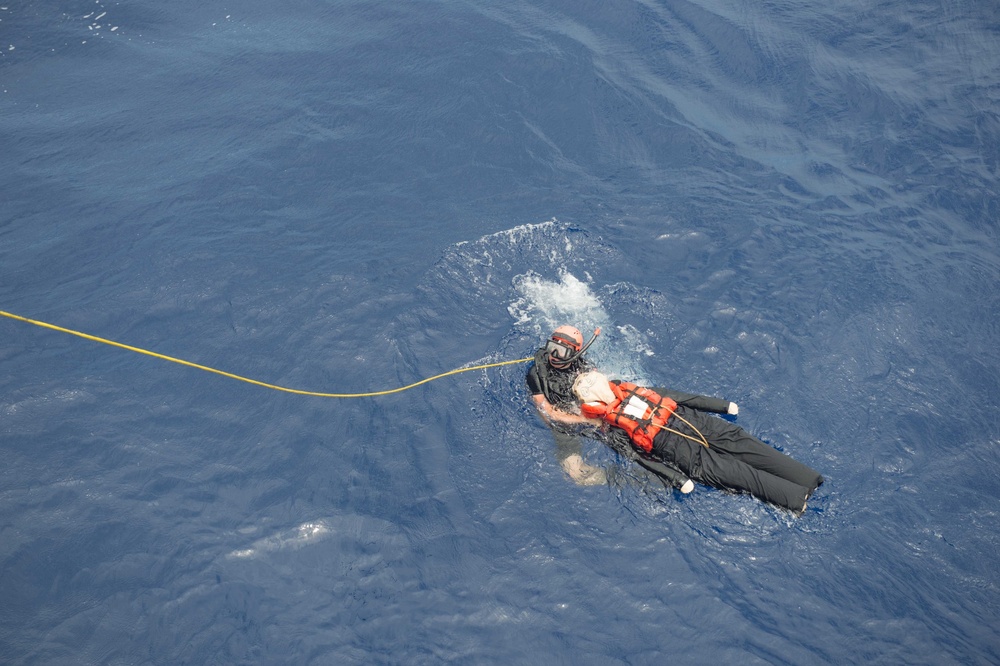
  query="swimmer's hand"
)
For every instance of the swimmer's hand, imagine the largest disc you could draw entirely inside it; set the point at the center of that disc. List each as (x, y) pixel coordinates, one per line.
(733, 410)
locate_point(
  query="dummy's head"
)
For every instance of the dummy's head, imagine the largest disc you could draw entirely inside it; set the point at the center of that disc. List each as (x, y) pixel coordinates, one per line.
(565, 346)
(593, 386)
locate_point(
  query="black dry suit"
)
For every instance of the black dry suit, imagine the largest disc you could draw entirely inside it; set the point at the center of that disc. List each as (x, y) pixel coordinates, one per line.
(557, 386)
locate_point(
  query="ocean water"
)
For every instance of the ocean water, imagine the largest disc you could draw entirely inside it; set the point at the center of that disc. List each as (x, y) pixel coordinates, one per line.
(790, 205)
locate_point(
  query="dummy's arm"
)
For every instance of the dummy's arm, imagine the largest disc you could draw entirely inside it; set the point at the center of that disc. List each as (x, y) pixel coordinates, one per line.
(700, 402)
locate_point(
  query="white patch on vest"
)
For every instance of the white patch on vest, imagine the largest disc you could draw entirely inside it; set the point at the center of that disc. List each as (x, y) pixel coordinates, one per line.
(636, 407)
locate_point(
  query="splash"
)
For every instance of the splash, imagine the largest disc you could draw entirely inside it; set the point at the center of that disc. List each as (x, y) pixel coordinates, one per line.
(542, 305)
(540, 276)
(545, 304)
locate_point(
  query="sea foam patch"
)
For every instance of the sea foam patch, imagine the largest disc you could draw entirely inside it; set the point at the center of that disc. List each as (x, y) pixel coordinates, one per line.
(291, 539)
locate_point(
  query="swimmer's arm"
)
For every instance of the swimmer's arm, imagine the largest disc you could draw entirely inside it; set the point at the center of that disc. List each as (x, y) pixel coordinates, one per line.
(553, 415)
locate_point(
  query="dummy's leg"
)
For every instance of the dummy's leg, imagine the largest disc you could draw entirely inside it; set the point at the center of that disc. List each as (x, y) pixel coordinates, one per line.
(721, 470)
(737, 442)
(724, 471)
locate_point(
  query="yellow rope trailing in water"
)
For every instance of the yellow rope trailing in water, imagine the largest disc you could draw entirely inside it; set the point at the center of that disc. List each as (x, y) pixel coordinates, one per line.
(317, 394)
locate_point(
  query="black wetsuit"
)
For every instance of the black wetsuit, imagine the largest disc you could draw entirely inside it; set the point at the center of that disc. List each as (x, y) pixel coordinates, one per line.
(557, 387)
(734, 460)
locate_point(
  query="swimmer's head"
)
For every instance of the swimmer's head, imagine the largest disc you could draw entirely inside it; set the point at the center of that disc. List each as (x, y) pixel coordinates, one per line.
(564, 346)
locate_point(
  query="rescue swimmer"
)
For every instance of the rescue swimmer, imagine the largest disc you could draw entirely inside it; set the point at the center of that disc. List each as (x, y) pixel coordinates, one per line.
(670, 433)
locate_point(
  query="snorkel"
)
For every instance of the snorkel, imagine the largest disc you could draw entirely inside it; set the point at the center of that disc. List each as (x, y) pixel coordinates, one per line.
(597, 331)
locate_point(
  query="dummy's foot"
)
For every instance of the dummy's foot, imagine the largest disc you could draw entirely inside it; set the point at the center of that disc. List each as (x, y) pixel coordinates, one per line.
(582, 473)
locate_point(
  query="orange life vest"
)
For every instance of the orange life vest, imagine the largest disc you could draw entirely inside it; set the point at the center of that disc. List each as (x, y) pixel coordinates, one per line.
(639, 411)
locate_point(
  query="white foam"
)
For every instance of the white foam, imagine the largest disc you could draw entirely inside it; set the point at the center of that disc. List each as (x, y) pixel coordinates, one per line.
(558, 289)
(545, 304)
(292, 539)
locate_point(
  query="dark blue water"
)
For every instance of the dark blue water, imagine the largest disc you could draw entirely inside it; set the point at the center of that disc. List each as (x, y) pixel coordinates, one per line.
(790, 205)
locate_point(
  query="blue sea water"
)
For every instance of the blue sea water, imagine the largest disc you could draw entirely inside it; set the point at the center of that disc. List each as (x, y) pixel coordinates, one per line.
(792, 205)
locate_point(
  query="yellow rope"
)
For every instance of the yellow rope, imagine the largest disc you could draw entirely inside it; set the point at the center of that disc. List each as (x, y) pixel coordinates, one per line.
(317, 394)
(702, 441)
